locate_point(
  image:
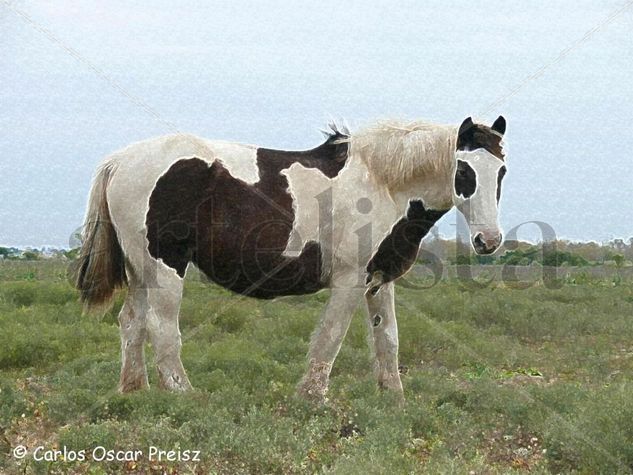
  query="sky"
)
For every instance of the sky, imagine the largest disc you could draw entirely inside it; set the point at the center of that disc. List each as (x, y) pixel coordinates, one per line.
(79, 80)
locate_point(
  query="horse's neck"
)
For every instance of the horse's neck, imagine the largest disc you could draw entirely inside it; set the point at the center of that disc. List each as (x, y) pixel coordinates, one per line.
(364, 213)
(435, 188)
(435, 192)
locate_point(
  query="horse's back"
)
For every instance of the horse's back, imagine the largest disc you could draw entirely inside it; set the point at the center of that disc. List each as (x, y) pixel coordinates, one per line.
(152, 157)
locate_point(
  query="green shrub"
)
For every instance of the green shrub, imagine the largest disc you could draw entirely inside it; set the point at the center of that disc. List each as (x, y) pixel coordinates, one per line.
(12, 403)
(559, 258)
(25, 350)
(597, 436)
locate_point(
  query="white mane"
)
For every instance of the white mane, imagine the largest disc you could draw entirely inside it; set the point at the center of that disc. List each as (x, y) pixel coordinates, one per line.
(396, 152)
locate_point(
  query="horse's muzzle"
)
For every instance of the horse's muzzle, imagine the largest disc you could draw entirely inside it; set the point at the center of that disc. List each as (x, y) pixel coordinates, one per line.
(485, 243)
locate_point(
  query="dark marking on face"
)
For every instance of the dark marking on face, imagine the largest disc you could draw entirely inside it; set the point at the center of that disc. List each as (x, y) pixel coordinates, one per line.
(465, 179)
(377, 320)
(472, 136)
(502, 172)
(398, 251)
(235, 232)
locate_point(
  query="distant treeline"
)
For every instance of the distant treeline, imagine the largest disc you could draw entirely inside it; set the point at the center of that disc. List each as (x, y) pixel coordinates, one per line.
(617, 252)
(33, 254)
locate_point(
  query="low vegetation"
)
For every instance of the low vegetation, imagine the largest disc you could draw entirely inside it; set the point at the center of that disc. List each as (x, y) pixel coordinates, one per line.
(560, 253)
(498, 379)
(616, 252)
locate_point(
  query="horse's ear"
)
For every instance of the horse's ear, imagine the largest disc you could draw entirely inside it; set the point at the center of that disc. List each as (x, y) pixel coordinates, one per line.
(499, 125)
(467, 124)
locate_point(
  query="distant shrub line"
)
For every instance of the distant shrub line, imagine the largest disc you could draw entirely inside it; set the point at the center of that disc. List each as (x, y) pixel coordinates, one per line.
(554, 254)
(526, 258)
(517, 253)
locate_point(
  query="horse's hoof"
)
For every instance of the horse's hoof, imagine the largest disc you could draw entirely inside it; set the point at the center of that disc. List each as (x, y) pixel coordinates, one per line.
(395, 388)
(175, 383)
(130, 387)
(132, 382)
(312, 395)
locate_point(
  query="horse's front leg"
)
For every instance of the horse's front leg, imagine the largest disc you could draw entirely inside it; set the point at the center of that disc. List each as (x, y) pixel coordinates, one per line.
(383, 337)
(326, 341)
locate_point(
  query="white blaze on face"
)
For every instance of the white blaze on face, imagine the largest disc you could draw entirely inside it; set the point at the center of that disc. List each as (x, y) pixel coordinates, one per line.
(480, 208)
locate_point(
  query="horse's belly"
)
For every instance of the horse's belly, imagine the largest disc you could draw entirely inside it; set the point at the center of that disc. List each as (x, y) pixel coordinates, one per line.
(264, 273)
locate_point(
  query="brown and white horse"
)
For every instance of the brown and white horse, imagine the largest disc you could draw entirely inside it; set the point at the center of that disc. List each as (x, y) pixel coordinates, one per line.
(348, 215)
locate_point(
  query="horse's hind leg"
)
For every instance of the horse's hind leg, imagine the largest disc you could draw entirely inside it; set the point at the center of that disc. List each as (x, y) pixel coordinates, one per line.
(164, 333)
(133, 335)
(383, 337)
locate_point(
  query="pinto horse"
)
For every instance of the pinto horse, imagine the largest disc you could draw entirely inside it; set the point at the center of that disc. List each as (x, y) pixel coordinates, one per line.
(348, 215)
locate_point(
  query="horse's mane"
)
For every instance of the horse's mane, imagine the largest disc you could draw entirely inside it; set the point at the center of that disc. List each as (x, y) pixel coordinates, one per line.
(396, 152)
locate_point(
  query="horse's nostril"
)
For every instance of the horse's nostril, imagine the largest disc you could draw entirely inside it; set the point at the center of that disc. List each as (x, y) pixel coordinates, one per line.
(485, 244)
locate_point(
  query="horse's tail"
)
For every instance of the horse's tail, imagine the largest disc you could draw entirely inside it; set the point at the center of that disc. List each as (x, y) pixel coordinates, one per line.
(100, 266)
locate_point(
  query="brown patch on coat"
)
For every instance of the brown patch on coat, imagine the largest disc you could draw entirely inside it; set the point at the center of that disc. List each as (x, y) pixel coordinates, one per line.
(399, 249)
(236, 232)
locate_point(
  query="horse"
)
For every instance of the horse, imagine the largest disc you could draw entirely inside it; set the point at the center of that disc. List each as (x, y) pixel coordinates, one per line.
(348, 216)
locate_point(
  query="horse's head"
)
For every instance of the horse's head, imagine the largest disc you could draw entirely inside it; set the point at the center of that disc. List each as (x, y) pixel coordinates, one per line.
(479, 171)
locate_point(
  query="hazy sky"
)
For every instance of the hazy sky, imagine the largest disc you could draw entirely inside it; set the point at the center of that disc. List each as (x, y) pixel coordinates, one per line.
(79, 80)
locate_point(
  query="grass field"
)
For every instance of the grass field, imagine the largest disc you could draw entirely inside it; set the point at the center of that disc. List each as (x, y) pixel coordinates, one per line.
(496, 379)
